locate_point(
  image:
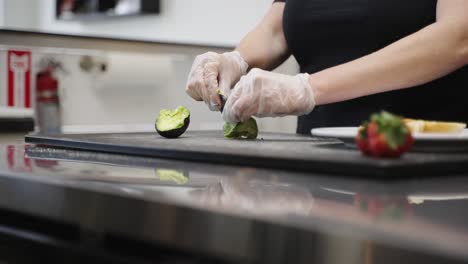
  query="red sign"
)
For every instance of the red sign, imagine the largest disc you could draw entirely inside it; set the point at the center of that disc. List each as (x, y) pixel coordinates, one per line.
(19, 79)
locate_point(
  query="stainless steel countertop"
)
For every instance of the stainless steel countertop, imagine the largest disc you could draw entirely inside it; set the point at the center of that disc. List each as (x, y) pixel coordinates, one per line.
(240, 213)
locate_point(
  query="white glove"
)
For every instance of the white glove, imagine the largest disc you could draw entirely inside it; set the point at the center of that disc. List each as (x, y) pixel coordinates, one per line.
(267, 94)
(212, 71)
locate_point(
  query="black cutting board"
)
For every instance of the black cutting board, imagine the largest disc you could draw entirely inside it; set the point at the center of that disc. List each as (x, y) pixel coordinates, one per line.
(270, 150)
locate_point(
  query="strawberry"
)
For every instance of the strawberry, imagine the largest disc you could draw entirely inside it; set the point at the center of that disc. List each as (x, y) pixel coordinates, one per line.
(408, 142)
(385, 135)
(378, 146)
(361, 141)
(372, 129)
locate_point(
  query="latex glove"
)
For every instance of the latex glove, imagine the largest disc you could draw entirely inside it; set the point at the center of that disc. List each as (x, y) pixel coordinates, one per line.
(212, 71)
(267, 94)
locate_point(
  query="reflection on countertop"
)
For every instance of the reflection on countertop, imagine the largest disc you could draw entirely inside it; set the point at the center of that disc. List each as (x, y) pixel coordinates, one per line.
(425, 215)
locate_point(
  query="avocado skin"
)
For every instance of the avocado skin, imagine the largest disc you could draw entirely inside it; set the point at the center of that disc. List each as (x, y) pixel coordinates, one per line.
(174, 133)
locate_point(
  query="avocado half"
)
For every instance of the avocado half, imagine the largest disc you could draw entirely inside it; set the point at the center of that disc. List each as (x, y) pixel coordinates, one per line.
(244, 130)
(173, 123)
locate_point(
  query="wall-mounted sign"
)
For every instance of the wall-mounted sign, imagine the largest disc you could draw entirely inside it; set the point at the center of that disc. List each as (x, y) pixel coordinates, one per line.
(15, 78)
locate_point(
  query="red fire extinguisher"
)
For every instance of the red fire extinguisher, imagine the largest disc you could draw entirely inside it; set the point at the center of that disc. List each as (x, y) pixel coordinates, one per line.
(48, 104)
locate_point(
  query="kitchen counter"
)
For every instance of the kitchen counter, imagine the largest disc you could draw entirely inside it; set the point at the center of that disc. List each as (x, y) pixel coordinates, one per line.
(133, 209)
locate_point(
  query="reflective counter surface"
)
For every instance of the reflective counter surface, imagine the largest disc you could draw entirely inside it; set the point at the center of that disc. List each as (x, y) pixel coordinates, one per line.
(234, 213)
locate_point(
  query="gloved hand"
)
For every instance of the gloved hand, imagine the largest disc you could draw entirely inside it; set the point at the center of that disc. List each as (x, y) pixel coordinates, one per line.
(267, 94)
(212, 71)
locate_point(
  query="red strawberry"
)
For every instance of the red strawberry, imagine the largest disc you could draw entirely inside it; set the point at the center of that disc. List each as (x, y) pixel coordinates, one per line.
(402, 149)
(372, 129)
(378, 145)
(361, 141)
(385, 135)
(409, 142)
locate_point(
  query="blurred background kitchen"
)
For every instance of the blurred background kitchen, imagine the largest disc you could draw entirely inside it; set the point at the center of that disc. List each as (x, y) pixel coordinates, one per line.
(116, 63)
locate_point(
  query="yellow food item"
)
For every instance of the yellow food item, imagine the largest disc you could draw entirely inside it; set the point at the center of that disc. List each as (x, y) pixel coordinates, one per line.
(171, 175)
(424, 126)
(415, 126)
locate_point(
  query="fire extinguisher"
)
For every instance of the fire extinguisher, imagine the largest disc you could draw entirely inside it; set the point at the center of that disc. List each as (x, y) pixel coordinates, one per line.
(47, 100)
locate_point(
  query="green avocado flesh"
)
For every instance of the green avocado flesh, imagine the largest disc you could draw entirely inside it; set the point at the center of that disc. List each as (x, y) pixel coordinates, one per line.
(171, 175)
(173, 123)
(245, 130)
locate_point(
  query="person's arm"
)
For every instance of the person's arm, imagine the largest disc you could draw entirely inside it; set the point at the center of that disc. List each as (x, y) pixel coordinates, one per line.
(426, 55)
(265, 46)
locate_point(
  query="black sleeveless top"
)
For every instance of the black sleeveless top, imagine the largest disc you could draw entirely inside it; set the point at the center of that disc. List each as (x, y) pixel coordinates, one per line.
(324, 33)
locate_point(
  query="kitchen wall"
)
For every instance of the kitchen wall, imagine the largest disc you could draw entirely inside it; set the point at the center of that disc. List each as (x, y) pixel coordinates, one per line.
(21, 14)
(213, 22)
(2, 14)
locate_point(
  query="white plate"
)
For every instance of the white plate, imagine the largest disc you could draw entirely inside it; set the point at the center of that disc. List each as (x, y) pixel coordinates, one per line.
(447, 142)
(351, 132)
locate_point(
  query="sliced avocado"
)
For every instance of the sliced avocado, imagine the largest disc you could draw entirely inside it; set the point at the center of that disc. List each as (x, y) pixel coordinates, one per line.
(245, 130)
(172, 175)
(173, 123)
